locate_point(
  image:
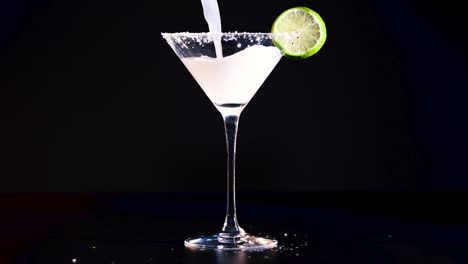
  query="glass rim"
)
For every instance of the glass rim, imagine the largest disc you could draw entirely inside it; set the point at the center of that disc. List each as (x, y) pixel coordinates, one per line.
(235, 33)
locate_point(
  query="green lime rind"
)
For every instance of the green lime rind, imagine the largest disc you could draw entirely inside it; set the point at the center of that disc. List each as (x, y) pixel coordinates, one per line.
(310, 28)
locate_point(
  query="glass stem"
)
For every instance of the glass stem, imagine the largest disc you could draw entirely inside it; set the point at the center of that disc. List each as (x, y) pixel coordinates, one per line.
(231, 227)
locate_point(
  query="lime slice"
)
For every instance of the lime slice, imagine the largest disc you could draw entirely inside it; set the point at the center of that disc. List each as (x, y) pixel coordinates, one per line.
(308, 32)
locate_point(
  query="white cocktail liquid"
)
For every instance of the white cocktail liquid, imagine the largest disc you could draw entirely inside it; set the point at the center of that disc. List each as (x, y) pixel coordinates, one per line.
(213, 18)
(233, 80)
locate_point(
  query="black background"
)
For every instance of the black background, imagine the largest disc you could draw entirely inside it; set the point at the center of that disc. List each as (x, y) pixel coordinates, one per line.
(94, 100)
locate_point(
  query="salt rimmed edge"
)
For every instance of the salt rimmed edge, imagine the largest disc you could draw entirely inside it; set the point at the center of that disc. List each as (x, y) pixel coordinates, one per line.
(207, 37)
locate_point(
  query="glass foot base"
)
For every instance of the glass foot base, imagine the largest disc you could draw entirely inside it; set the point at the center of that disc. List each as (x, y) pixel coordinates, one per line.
(218, 242)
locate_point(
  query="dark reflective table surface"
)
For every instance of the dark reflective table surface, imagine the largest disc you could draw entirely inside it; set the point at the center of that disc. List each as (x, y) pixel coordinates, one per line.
(311, 228)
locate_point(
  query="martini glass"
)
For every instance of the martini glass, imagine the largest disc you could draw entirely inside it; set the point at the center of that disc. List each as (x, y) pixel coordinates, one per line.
(230, 80)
